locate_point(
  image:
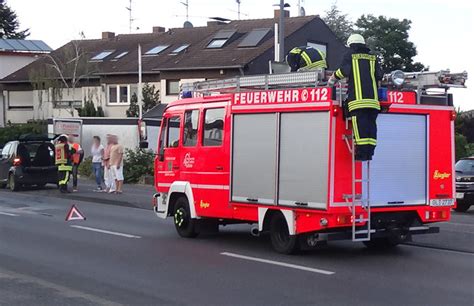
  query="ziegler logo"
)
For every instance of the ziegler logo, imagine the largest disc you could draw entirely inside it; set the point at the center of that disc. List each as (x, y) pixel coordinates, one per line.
(203, 204)
(441, 175)
(188, 161)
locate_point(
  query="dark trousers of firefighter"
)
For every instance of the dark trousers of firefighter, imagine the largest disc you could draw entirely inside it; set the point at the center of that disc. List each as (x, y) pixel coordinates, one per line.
(365, 132)
(63, 179)
(75, 168)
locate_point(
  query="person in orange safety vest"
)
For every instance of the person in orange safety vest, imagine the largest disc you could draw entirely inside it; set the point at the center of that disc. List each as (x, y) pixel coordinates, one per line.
(76, 160)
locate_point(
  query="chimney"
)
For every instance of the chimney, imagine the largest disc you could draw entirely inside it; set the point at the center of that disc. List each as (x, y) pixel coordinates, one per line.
(108, 35)
(157, 30)
(276, 13)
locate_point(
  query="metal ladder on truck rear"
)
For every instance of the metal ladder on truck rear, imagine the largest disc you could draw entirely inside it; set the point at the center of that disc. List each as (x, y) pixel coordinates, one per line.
(359, 232)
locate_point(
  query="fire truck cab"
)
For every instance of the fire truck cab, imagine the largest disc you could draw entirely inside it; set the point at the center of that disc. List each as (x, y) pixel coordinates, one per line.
(278, 152)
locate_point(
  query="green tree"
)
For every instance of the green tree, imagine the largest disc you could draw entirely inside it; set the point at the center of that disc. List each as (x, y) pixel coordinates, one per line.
(9, 23)
(338, 22)
(389, 38)
(133, 110)
(151, 98)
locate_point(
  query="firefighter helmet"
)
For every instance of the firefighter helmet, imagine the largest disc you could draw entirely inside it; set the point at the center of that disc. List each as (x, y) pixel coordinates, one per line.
(355, 39)
(62, 138)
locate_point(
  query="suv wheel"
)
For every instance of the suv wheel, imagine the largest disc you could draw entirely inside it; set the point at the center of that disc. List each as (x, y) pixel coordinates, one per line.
(462, 206)
(12, 183)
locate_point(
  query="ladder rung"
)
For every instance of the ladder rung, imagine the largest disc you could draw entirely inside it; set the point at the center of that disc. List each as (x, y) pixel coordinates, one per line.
(363, 232)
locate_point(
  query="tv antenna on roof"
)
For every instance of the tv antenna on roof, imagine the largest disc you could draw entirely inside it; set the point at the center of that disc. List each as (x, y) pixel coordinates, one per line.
(130, 19)
(238, 9)
(186, 4)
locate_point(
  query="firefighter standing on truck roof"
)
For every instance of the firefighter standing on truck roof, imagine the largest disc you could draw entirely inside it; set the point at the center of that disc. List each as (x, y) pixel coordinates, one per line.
(305, 59)
(363, 72)
(63, 154)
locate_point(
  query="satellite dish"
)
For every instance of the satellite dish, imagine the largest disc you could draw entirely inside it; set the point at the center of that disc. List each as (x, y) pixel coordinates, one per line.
(187, 25)
(302, 11)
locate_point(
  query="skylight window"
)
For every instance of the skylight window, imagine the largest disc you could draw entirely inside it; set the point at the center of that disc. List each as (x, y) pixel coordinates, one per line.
(217, 43)
(219, 40)
(254, 38)
(156, 50)
(100, 56)
(120, 55)
(179, 49)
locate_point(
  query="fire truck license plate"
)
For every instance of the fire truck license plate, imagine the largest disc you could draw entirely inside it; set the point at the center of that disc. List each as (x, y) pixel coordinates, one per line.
(442, 202)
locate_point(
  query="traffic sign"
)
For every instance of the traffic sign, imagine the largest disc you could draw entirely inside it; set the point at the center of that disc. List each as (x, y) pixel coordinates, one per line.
(74, 214)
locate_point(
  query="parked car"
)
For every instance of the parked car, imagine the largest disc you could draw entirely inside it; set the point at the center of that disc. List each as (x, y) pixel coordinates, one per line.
(465, 183)
(28, 161)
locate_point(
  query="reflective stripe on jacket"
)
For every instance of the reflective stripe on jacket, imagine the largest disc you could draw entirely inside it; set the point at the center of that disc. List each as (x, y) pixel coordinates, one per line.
(363, 72)
(60, 154)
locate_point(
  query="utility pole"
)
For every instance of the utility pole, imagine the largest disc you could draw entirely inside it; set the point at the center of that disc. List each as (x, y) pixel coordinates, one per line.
(281, 31)
(139, 94)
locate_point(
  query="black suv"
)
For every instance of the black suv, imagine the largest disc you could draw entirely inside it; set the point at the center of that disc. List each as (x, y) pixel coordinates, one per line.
(465, 183)
(28, 161)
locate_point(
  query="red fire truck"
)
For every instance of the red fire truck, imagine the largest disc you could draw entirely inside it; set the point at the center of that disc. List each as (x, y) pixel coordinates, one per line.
(277, 151)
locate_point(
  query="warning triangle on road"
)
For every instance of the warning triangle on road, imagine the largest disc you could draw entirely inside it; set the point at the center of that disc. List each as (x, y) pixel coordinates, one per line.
(74, 214)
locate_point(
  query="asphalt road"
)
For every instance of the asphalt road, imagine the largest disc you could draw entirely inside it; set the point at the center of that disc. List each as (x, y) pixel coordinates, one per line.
(126, 256)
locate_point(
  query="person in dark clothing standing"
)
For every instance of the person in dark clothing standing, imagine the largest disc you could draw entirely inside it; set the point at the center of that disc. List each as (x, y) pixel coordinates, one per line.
(363, 72)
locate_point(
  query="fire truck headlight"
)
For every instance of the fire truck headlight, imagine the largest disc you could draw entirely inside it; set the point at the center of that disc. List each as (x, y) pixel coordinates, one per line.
(398, 77)
(323, 222)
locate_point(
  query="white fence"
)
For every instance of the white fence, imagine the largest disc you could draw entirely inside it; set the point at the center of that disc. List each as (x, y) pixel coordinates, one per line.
(125, 128)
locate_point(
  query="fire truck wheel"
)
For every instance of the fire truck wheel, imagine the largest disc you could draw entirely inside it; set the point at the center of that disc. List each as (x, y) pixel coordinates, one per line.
(462, 206)
(381, 243)
(185, 225)
(282, 241)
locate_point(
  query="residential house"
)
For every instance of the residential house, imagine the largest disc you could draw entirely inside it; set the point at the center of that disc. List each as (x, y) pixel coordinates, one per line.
(169, 58)
(15, 54)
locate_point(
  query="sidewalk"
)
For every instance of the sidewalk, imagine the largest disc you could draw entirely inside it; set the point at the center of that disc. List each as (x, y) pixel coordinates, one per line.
(134, 195)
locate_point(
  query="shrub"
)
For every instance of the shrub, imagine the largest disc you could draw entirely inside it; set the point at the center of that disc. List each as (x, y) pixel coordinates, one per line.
(85, 168)
(137, 164)
(13, 131)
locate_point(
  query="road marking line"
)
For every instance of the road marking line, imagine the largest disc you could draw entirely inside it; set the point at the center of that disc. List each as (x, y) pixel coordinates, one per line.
(8, 214)
(278, 263)
(105, 231)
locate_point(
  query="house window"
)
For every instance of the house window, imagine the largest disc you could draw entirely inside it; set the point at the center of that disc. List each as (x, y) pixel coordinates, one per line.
(220, 38)
(179, 49)
(112, 94)
(172, 87)
(320, 47)
(119, 94)
(102, 55)
(156, 50)
(217, 43)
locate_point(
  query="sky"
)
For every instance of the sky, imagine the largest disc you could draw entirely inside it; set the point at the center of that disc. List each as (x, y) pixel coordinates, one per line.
(441, 30)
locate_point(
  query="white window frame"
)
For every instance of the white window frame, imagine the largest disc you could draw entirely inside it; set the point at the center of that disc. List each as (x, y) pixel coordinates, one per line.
(117, 88)
(167, 87)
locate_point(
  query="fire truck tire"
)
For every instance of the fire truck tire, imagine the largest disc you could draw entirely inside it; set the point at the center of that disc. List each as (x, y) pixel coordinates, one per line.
(185, 225)
(381, 243)
(280, 237)
(462, 206)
